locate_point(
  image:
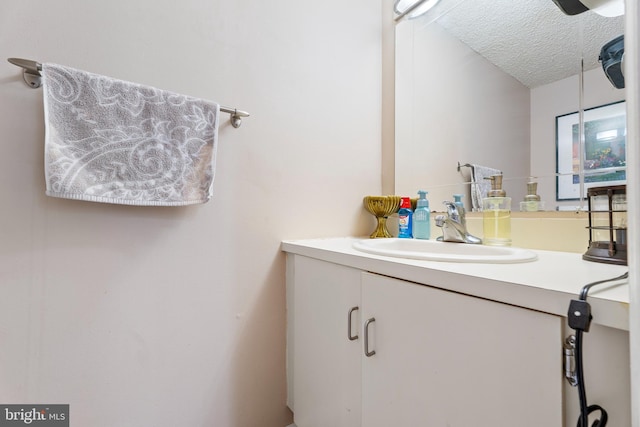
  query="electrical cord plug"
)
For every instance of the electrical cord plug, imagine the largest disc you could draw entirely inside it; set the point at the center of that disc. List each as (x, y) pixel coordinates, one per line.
(579, 315)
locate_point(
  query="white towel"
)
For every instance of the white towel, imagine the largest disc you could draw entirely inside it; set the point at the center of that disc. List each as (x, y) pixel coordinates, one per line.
(112, 141)
(479, 185)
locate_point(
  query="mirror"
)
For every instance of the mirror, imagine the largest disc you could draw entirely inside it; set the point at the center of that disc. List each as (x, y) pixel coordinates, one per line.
(482, 82)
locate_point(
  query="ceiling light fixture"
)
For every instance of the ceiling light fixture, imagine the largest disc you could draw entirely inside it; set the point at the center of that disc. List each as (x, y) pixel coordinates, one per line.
(412, 8)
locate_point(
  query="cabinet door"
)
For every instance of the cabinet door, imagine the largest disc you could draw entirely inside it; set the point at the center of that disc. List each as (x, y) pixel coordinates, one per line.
(447, 359)
(326, 367)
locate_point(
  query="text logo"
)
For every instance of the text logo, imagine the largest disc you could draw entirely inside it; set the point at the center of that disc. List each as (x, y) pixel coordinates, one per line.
(34, 415)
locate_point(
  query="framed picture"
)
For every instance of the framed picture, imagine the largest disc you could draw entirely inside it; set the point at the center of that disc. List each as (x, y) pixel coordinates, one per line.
(604, 154)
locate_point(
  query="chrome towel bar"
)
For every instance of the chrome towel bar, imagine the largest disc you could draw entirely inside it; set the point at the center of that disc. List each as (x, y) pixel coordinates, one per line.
(33, 77)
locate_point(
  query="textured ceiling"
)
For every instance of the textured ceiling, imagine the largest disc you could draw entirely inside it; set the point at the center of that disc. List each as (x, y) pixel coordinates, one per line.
(531, 40)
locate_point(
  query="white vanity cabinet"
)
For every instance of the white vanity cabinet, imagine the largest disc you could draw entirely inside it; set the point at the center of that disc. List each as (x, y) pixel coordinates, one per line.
(325, 362)
(441, 358)
(447, 359)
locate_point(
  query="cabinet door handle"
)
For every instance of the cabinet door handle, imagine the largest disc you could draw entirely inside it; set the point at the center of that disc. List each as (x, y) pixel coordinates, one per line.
(349, 323)
(366, 338)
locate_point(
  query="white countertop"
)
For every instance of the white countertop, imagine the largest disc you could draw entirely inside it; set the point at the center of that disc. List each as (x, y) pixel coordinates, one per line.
(547, 284)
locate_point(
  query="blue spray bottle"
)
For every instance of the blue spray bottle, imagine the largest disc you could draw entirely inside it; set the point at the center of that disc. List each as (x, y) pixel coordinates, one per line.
(404, 219)
(422, 218)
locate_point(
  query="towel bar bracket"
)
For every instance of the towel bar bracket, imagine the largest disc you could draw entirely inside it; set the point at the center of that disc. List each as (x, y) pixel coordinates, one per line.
(236, 121)
(236, 115)
(33, 80)
(466, 165)
(30, 71)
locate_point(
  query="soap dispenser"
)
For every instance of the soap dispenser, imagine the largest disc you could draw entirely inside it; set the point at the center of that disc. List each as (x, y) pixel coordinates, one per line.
(532, 202)
(496, 214)
(457, 200)
(422, 218)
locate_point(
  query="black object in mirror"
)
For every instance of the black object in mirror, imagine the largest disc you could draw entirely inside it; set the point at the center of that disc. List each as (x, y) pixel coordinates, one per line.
(571, 7)
(611, 57)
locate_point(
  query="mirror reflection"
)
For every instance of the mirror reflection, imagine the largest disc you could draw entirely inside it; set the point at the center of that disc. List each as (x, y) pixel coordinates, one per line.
(483, 82)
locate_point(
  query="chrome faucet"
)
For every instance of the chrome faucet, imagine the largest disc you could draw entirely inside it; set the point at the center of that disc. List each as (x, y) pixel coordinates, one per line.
(454, 225)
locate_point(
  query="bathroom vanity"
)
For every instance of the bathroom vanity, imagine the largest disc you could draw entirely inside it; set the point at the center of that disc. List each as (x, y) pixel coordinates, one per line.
(376, 341)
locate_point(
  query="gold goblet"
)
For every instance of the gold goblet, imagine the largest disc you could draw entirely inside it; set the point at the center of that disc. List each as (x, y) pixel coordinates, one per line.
(381, 207)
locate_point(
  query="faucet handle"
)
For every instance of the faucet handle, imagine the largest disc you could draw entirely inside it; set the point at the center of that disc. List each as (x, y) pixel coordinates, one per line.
(452, 210)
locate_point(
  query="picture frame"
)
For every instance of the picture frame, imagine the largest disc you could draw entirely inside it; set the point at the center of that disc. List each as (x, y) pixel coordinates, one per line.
(604, 162)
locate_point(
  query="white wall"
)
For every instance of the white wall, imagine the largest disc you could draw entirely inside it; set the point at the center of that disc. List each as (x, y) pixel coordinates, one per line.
(556, 99)
(176, 316)
(453, 105)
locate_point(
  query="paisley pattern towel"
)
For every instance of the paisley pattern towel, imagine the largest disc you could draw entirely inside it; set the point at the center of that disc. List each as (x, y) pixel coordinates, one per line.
(479, 185)
(112, 141)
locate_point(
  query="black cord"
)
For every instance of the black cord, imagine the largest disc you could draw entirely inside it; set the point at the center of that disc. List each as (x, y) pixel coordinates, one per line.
(585, 288)
(585, 410)
(582, 393)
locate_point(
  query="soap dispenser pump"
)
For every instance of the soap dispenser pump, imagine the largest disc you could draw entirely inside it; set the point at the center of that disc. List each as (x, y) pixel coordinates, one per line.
(496, 186)
(532, 202)
(496, 214)
(422, 218)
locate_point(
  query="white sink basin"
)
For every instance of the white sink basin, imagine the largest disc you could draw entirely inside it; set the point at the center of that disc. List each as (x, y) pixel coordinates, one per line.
(432, 250)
